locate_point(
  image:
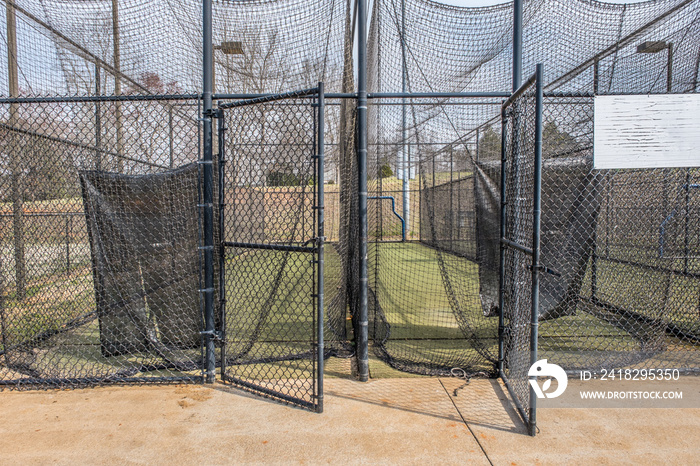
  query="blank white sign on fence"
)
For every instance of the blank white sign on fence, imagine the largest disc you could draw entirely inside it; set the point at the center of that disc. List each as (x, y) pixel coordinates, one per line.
(646, 131)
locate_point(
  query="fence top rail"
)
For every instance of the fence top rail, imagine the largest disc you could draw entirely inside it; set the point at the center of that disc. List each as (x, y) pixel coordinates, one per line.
(271, 98)
(99, 98)
(521, 90)
(43, 214)
(244, 96)
(436, 95)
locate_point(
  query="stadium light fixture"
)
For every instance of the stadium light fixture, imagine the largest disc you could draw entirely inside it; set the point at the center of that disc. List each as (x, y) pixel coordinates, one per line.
(230, 47)
(656, 46)
(652, 46)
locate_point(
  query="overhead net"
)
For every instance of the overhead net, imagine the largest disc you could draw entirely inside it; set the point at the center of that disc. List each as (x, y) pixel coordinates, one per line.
(116, 86)
(435, 292)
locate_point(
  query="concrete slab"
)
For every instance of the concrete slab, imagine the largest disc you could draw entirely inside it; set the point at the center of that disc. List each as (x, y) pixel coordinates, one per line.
(385, 421)
(576, 436)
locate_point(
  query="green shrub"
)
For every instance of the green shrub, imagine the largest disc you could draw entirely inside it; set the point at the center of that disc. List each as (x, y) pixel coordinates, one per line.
(385, 171)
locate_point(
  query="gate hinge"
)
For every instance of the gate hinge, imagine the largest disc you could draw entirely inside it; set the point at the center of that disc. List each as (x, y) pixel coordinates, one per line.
(544, 269)
(216, 335)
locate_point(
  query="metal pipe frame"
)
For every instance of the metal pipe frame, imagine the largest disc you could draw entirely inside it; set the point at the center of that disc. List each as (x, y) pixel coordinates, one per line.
(330, 95)
(261, 99)
(362, 338)
(208, 198)
(393, 210)
(536, 225)
(517, 43)
(100, 98)
(320, 181)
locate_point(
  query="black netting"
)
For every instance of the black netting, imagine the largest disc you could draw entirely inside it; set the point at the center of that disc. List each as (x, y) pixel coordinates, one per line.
(99, 243)
(143, 237)
(449, 151)
(626, 244)
(115, 85)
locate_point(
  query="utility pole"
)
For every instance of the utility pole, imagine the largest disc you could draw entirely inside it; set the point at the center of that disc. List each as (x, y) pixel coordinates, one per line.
(15, 156)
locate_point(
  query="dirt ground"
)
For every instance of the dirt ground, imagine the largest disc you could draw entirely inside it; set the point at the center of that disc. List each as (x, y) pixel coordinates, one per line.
(384, 421)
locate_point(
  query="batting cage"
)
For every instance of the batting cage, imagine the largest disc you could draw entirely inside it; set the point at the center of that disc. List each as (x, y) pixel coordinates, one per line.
(257, 191)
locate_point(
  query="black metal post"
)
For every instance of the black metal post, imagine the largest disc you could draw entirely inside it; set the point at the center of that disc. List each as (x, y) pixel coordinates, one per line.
(517, 43)
(536, 217)
(221, 122)
(68, 219)
(452, 190)
(405, 167)
(596, 76)
(98, 121)
(501, 265)
(686, 236)
(669, 68)
(208, 198)
(362, 337)
(321, 239)
(170, 136)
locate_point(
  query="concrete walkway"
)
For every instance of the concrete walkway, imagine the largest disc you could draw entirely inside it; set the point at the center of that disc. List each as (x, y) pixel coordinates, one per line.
(385, 421)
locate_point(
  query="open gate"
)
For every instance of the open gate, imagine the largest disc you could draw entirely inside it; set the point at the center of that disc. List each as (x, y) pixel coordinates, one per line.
(271, 257)
(521, 183)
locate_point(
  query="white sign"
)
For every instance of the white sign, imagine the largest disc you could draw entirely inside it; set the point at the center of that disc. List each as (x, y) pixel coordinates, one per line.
(646, 131)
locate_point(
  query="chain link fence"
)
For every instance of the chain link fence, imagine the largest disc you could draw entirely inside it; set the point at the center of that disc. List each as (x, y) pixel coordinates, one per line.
(273, 259)
(98, 265)
(626, 243)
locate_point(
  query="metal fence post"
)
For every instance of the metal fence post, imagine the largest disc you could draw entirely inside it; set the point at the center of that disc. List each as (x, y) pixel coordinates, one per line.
(321, 239)
(502, 253)
(536, 221)
(363, 336)
(208, 199)
(68, 231)
(517, 43)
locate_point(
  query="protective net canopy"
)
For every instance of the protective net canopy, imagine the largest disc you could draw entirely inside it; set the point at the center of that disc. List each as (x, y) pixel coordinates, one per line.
(100, 278)
(100, 282)
(438, 161)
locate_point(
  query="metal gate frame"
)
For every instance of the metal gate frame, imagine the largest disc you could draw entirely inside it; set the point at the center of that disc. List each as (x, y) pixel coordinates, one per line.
(516, 377)
(314, 246)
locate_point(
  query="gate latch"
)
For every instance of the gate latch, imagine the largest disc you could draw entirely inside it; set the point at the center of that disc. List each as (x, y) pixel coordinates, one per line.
(544, 269)
(213, 113)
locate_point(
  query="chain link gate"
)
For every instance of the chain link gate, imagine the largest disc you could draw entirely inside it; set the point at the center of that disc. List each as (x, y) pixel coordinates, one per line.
(271, 257)
(521, 175)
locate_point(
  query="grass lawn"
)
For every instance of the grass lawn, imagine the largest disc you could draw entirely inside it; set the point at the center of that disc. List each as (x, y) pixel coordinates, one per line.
(270, 298)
